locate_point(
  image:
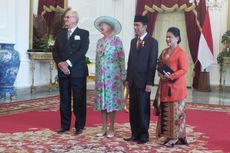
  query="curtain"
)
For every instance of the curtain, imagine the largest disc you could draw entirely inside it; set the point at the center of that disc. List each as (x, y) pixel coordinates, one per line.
(49, 16)
(193, 33)
(194, 19)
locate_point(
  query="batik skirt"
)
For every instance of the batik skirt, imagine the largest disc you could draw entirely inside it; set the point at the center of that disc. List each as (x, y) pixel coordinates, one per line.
(171, 122)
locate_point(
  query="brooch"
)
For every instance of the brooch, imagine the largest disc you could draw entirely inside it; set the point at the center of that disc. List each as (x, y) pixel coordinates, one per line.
(142, 43)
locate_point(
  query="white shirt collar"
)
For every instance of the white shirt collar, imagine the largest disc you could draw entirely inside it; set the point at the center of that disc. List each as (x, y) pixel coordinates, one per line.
(72, 29)
(143, 36)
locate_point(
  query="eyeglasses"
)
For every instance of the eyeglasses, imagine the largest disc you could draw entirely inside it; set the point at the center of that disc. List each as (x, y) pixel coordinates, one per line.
(67, 17)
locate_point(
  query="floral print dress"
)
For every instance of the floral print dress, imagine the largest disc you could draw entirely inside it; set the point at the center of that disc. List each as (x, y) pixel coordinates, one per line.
(110, 73)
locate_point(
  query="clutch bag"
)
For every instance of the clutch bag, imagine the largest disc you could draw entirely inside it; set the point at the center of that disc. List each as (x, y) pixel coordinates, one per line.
(165, 69)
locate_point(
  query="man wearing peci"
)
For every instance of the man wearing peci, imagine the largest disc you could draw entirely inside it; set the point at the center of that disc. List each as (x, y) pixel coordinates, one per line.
(69, 52)
(140, 78)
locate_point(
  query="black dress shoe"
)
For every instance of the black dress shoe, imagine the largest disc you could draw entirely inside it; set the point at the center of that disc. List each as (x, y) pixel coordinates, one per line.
(78, 131)
(182, 141)
(61, 130)
(143, 140)
(132, 138)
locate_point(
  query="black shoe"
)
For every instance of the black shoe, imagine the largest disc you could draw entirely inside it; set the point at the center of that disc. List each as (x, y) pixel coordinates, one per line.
(132, 138)
(61, 130)
(182, 141)
(143, 140)
(78, 131)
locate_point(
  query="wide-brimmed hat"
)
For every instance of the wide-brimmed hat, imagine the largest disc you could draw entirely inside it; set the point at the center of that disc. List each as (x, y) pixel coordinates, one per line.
(114, 23)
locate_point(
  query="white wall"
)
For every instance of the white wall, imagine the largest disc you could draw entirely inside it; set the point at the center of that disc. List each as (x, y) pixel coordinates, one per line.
(15, 28)
(8, 20)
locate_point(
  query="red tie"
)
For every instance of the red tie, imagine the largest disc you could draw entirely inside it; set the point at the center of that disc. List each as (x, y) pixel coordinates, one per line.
(138, 43)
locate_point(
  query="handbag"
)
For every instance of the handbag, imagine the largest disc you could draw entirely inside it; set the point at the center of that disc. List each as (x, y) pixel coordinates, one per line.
(166, 69)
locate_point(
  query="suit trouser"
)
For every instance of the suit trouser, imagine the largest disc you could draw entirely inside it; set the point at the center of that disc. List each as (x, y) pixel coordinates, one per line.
(77, 87)
(139, 107)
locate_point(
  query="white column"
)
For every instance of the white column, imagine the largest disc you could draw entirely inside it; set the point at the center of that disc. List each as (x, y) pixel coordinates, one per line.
(8, 20)
(22, 23)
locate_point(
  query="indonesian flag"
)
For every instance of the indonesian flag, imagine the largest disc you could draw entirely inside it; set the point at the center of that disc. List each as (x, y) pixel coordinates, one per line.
(205, 50)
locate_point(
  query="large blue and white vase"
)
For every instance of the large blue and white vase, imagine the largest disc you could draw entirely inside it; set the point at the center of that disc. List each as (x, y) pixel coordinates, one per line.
(9, 65)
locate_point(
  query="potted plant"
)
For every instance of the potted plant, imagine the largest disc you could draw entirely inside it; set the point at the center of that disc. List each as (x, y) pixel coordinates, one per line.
(226, 49)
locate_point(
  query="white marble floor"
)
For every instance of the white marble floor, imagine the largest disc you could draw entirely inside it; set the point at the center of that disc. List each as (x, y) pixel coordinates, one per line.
(214, 97)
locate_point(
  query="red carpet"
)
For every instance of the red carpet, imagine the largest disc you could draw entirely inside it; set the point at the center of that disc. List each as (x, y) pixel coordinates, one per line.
(215, 125)
(208, 131)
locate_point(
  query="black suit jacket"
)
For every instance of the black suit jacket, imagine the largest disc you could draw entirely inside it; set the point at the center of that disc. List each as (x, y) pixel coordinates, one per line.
(142, 62)
(73, 49)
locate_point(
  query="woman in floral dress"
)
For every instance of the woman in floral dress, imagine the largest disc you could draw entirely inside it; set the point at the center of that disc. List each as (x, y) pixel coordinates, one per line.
(110, 72)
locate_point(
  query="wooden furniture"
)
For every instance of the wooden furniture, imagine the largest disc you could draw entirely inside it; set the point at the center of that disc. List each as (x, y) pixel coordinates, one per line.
(41, 57)
(47, 57)
(223, 70)
(204, 82)
(91, 76)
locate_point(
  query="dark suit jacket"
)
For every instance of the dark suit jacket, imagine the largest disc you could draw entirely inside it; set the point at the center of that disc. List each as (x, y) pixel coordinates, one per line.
(73, 49)
(142, 62)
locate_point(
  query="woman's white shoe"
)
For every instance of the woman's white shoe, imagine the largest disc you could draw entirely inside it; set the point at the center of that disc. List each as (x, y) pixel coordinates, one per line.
(101, 134)
(110, 134)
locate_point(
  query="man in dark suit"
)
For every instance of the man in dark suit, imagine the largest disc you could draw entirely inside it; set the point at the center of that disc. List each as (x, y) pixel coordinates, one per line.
(69, 52)
(140, 78)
